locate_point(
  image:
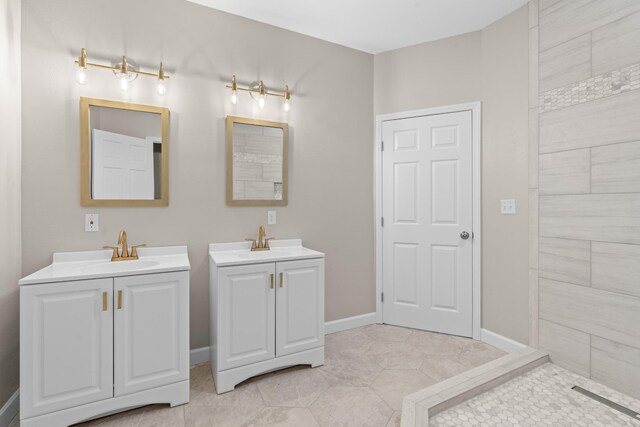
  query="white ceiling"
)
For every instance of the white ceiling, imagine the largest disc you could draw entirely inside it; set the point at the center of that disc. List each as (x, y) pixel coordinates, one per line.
(372, 26)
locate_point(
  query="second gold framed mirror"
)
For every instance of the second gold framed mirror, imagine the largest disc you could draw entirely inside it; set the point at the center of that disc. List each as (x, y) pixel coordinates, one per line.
(257, 162)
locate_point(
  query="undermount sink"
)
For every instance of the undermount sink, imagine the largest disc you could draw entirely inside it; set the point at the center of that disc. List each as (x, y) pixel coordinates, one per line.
(240, 253)
(119, 266)
(97, 264)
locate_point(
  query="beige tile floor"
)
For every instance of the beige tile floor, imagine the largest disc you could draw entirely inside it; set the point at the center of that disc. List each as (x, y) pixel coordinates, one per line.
(366, 374)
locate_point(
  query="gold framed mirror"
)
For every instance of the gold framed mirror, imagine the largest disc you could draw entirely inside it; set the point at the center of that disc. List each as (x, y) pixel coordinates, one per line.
(257, 162)
(124, 154)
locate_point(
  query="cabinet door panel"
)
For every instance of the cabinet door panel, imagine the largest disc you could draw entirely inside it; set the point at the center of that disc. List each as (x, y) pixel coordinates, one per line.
(66, 345)
(299, 306)
(151, 331)
(246, 315)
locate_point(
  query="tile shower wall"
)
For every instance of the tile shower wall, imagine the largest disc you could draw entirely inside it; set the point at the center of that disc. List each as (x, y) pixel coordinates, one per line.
(584, 185)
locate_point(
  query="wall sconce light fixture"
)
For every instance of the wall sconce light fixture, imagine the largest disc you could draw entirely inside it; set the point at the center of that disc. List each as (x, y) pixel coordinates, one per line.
(124, 71)
(259, 93)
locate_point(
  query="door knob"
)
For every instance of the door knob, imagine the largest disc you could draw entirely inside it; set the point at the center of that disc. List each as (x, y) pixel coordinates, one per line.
(464, 235)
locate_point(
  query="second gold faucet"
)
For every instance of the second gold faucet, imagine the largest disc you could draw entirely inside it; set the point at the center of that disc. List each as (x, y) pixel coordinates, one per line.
(262, 244)
(124, 254)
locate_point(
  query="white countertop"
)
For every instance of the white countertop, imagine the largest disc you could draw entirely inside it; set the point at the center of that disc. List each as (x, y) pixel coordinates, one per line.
(69, 266)
(239, 253)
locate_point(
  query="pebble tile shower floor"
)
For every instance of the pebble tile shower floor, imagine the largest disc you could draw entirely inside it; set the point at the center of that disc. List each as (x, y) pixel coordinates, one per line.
(542, 397)
(366, 374)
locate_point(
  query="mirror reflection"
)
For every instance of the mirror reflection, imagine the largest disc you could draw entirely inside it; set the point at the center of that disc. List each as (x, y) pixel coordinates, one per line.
(257, 162)
(127, 156)
(126, 148)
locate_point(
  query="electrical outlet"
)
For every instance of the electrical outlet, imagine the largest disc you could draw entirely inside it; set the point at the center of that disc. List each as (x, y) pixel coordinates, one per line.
(271, 217)
(91, 222)
(508, 207)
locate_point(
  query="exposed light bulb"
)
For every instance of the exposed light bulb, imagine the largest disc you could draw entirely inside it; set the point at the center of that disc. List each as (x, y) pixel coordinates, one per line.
(162, 83)
(234, 97)
(162, 87)
(81, 75)
(124, 82)
(287, 99)
(262, 94)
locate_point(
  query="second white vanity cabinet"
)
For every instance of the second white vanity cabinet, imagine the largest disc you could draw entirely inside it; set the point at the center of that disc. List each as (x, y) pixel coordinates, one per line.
(267, 310)
(91, 346)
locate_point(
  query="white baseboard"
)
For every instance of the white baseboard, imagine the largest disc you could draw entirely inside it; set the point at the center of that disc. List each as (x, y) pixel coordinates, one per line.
(499, 341)
(10, 409)
(349, 323)
(201, 355)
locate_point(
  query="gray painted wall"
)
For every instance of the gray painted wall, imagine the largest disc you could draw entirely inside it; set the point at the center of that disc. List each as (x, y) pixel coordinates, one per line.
(10, 252)
(489, 66)
(331, 131)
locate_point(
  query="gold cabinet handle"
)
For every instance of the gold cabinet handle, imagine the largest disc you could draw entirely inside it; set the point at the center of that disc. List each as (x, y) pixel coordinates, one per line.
(280, 279)
(119, 299)
(105, 304)
(271, 280)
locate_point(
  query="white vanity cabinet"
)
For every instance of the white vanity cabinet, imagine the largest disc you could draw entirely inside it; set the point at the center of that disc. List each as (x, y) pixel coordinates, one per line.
(299, 306)
(267, 310)
(66, 345)
(151, 331)
(94, 345)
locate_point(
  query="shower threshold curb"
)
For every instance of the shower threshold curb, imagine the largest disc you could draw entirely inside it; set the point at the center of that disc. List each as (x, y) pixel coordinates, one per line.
(419, 406)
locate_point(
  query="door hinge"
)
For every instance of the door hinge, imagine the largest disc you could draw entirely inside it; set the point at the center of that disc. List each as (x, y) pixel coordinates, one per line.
(381, 145)
(381, 221)
(381, 296)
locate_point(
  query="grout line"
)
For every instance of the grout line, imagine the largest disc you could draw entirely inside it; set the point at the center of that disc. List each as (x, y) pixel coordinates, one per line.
(591, 146)
(590, 170)
(593, 194)
(590, 354)
(591, 53)
(393, 413)
(561, 43)
(591, 263)
(617, 294)
(590, 31)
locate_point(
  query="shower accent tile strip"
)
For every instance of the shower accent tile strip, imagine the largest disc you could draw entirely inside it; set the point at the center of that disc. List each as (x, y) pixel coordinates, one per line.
(613, 405)
(622, 80)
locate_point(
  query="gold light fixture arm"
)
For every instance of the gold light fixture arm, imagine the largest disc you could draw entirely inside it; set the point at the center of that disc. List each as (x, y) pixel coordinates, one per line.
(261, 90)
(83, 62)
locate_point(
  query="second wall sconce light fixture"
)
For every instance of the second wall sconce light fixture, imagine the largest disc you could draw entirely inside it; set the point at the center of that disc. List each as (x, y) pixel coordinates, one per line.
(124, 71)
(259, 93)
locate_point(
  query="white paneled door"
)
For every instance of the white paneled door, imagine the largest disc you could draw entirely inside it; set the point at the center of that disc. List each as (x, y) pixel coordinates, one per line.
(122, 167)
(427, 201)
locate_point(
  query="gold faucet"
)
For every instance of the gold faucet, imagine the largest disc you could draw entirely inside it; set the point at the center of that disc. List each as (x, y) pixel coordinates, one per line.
(261, 244)
(124, 254)
(122, 240)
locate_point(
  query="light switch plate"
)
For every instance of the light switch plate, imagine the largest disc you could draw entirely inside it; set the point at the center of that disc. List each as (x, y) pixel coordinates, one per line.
(91, 222)
(271, 217)
(508, 207)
